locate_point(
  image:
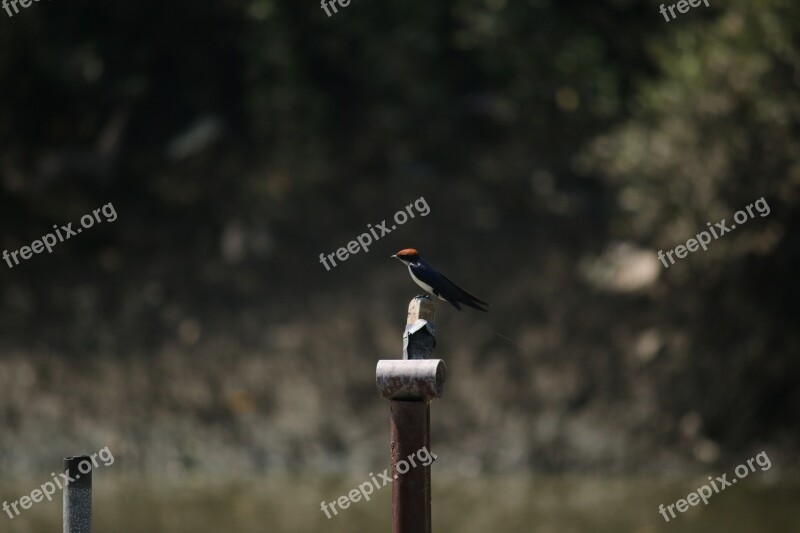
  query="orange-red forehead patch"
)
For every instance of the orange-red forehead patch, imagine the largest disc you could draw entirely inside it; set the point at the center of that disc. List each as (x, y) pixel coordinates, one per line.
(407, 251)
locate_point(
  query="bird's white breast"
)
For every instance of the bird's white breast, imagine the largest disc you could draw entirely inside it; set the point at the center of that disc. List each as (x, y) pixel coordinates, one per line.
(427, 288)
(422, 284)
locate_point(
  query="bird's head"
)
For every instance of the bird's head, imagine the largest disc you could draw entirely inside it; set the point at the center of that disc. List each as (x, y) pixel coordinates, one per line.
(409, 255)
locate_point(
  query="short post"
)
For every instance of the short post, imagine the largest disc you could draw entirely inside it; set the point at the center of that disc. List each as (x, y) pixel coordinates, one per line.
(410, 384)
(78, 495)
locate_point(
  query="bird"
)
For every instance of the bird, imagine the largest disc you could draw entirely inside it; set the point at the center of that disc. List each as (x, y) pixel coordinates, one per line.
(434, 282)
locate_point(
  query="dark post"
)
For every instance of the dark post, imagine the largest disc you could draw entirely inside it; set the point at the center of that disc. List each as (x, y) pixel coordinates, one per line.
(410, 384)
(78, 495)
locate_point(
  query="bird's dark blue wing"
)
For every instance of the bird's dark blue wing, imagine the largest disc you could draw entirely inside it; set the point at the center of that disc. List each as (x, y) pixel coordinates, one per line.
(446, 288)
(430, 276)
(467, 296)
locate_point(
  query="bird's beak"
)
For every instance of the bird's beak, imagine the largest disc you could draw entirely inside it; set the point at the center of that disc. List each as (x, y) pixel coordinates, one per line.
(393, 256)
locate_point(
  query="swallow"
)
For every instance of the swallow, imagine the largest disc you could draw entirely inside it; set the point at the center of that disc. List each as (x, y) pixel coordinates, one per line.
(434, 282)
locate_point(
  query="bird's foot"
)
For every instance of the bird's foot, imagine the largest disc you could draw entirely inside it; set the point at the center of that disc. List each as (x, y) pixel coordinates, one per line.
(426, 295)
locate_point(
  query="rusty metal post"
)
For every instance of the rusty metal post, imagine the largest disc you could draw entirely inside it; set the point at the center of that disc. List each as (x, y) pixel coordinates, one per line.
(410, 384)
(78, 495)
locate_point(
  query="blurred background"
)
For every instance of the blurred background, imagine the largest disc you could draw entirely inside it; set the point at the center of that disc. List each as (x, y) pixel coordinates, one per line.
(559, 145)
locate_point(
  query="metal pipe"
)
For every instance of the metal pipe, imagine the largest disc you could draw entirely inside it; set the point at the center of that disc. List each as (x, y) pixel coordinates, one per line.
(78, 495)
(410, 384)
(410, 379)
(411, 491)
